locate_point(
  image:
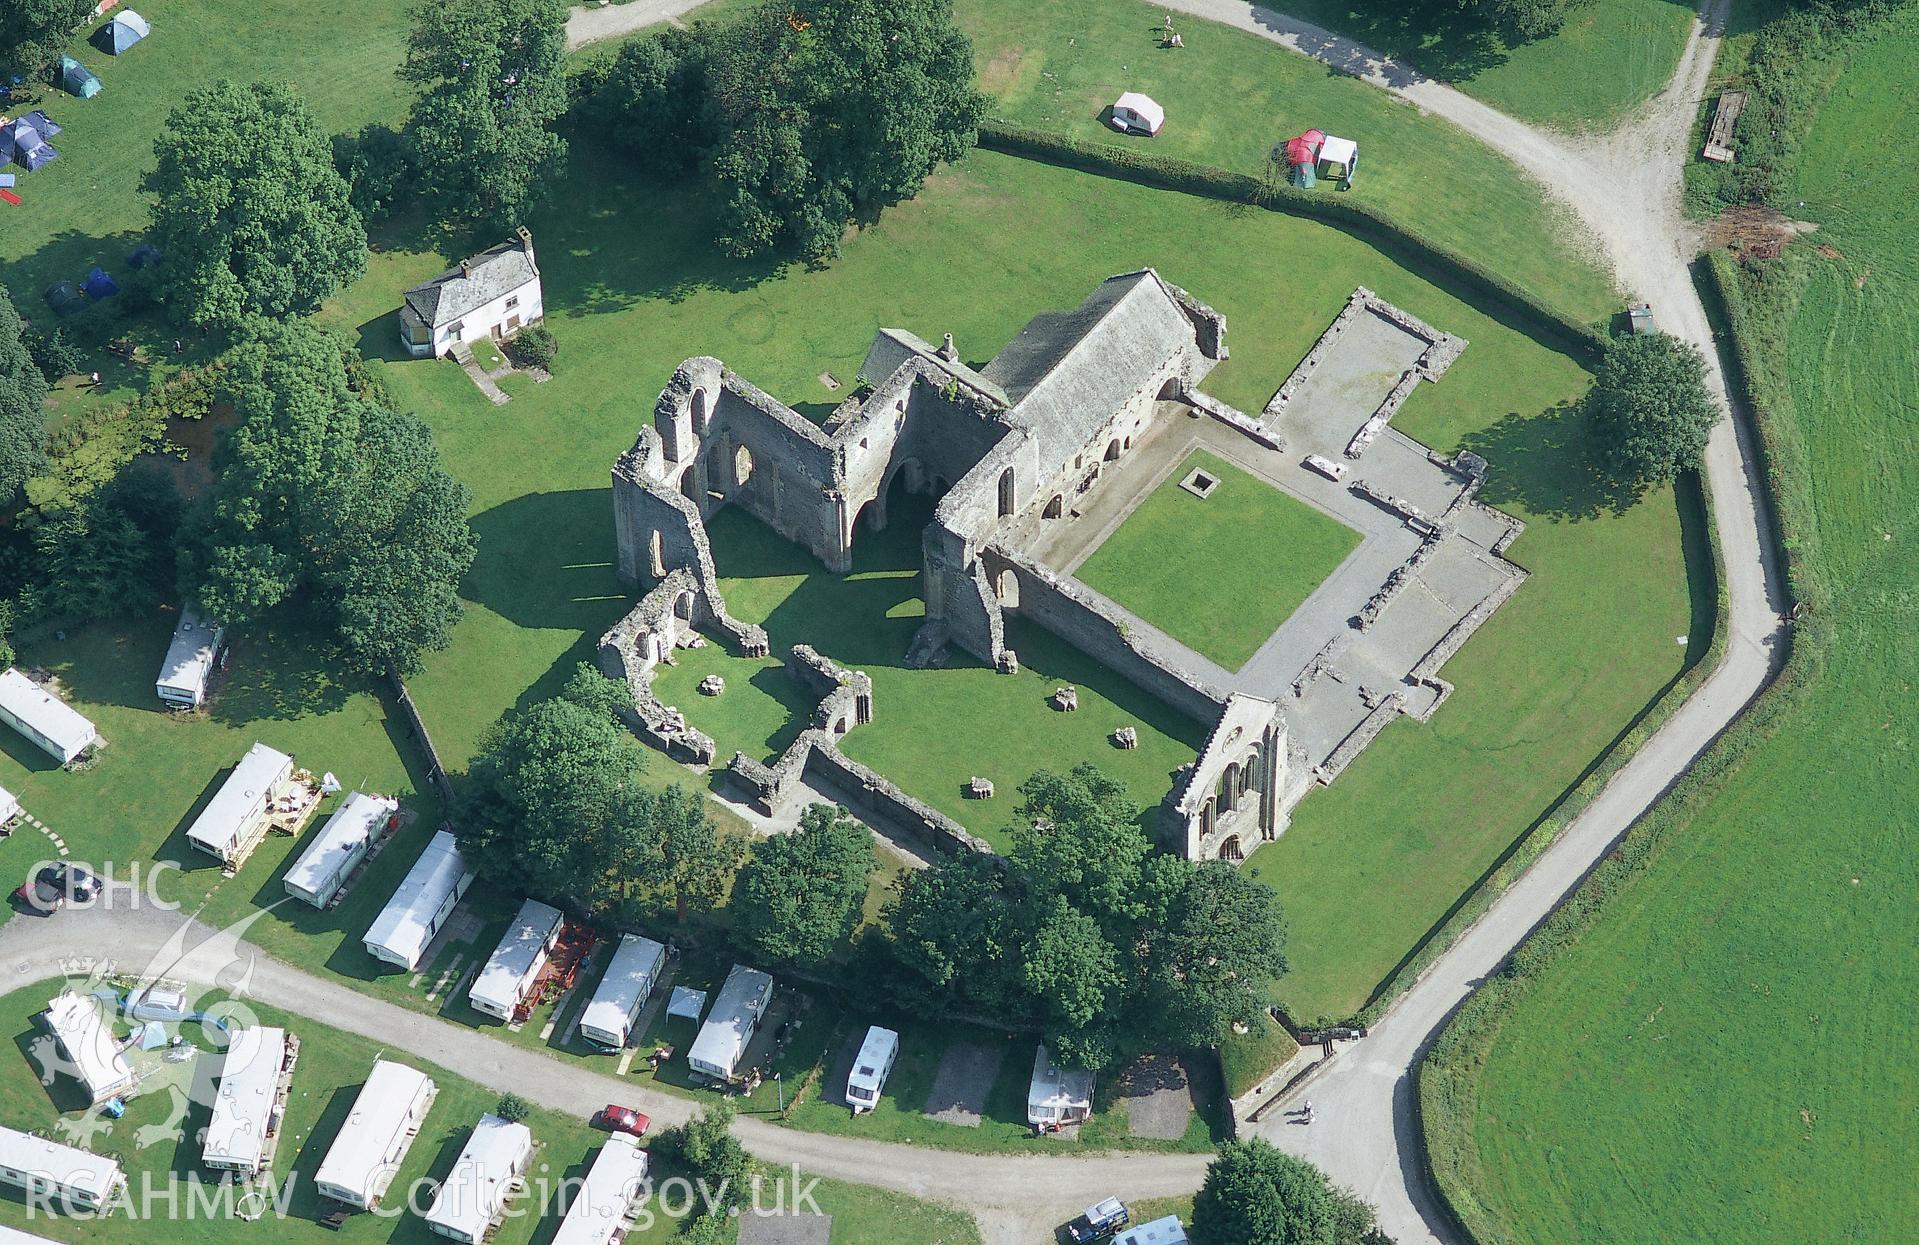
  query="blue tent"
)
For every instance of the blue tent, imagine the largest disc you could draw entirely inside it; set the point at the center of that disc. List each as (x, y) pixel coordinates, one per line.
(40, 121)
(99, 285)
(126, 29)
(78, 79)
(143, 255)
(21, 140)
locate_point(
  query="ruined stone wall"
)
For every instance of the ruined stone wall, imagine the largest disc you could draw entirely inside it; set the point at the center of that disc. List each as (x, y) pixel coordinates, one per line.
(1084, 620)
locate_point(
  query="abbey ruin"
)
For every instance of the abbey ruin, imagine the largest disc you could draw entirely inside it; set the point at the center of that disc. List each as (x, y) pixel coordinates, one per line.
(1034, 458)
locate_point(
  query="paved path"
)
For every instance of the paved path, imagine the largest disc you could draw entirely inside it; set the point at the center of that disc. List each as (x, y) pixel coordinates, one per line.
(593, 23)
(1624, 188)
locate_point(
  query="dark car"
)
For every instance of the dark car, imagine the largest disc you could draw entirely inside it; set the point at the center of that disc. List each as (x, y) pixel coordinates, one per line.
(1099, 1222)
(79, 883)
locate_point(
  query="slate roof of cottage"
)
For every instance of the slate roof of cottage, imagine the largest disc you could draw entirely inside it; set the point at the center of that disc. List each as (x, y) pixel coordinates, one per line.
(493, 273)
(1067, 372)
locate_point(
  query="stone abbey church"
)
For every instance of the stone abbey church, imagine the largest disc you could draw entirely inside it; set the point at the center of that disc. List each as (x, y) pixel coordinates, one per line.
(1013, 452)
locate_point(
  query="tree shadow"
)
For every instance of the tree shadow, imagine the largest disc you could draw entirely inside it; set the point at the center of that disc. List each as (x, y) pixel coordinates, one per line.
(1549, 466)
(1444, 42)
(281, 670)
(546, 560)
(591, 258)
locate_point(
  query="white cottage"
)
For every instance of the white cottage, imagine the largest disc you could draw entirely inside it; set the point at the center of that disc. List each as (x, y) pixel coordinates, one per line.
(493, 294)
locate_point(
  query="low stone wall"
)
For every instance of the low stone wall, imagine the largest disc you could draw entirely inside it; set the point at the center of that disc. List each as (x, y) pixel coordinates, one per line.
(1237, 420)
(1349, 748)
(1086, 621)
(435, 770)
(623, 654)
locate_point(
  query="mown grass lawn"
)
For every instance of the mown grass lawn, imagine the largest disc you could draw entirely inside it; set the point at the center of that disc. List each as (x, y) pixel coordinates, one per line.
(1725, 1053)
(1230, 96)
(333, 1065)
(1218, 574)
(1609, 57)
(1364, 872)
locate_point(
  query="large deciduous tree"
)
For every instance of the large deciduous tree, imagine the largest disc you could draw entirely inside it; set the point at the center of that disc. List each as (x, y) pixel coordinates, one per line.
(33, 33)
(802, 115)
(494, 80)
(1651, 406)
(23, 416)
(249, 214)
(798, 899)
(1256, 1194)
(325, 496)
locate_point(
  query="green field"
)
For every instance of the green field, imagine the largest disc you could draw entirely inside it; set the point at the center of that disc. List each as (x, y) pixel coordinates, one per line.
(1249, 556)
(1229, 96)
(1725, 1053)
(1610, 56)
(332, 1067)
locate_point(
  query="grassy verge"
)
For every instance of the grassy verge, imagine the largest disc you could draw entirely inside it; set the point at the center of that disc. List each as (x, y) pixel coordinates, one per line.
(1724, 1102)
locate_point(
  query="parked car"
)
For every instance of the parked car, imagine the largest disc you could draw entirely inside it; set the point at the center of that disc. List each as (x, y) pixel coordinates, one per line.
(617, 1119)
(1099, 1221)
(1326, 466)
(79, 882)
(39, 897)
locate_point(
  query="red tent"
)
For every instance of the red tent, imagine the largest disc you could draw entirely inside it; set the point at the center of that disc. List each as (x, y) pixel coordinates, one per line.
(1305, 148)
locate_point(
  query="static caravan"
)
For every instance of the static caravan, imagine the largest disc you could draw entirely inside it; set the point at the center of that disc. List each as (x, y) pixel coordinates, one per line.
(606, 1197)
(472, 1200)
(14, 1236)
(1058, 1096)
(737, 1011)
(1167, 1231)
(367, 1151)
(251, 1101)
(871, 1067)
(44, 718)
(510, 972)
(66, 1177)
(191, 657)
(236, 818)
(425, 899)
(630, 978)
(86, 1042)
(339, 847)
(9, 806)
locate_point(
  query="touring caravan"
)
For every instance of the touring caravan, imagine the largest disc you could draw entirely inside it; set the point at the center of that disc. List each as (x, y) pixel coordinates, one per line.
(871, 1067)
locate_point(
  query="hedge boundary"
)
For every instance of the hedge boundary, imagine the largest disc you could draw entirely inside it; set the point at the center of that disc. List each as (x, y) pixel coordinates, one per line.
(1446, 1082)
(1403, 243)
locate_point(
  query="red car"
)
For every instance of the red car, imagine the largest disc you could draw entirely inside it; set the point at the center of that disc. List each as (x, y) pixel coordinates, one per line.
(617, 1119)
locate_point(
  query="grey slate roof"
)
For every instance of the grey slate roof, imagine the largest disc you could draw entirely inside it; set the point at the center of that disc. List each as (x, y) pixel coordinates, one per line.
(892, 347)
(1068, 371)
(494, 272)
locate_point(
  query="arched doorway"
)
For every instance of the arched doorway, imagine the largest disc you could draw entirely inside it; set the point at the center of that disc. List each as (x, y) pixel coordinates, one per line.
(1053, 507)
(1006, 589)
(1231, 850)
(1006, 493)
(1169, 392)
(1112, 450)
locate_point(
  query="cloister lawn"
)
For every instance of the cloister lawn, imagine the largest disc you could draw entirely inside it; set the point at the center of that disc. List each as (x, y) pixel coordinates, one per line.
(1219, 574)
(333, 1065)
(1725, 1053)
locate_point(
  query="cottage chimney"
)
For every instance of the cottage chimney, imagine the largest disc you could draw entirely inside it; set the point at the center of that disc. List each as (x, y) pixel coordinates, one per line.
(947, 350)
(466, 268)
(526, 239)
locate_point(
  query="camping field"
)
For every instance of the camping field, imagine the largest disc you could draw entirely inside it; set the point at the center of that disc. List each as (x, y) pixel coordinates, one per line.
(332, 1067)
(1724, 1052)
(1230, 96)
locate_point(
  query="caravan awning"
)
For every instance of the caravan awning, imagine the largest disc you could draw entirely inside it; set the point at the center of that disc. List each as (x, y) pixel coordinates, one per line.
(1340, 151)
